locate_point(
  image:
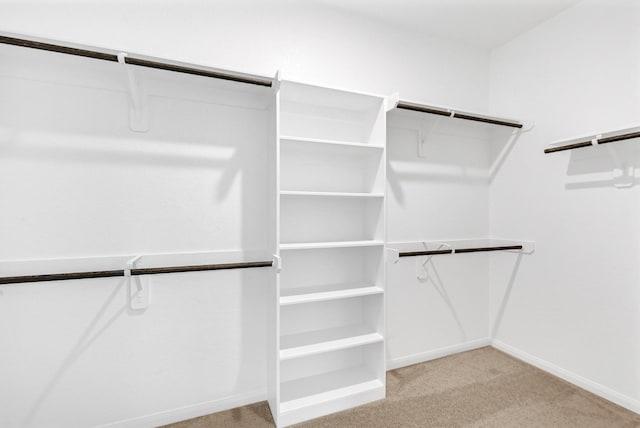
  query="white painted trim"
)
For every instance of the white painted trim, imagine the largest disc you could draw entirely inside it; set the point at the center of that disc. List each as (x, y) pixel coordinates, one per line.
(421, 357)
(191, 411)
(573, 378)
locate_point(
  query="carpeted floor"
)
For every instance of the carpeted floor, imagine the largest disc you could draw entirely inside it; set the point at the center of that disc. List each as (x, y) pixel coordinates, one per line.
(481, 388)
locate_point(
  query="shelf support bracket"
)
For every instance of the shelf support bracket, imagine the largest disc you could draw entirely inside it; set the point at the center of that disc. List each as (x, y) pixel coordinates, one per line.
(623, 175)
(138, 292)
(425, 135)
(138, 108)
(421, 262)
(277, 263)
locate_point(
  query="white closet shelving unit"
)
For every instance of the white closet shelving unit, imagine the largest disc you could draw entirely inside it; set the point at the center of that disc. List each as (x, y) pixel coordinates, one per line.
(329, 329)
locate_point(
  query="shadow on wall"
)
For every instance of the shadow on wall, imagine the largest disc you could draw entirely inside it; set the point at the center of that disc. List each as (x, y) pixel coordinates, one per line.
(431, 276)
(82, 134)
(424, 148)
(607, 165)
(497, 321)
(106, 316)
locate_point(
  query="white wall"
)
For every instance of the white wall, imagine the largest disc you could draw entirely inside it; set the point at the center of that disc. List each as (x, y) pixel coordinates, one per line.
(73, 354)
(572, 307)
(309, 43)
(439, 195)
(439, 305)
(75, 182)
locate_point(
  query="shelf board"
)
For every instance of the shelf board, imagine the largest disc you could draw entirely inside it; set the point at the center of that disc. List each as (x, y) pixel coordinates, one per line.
(316, 342)
(331, 98)
(330, 142)
(336, 244)
(322, 293)
(331, 194)
(300, 393)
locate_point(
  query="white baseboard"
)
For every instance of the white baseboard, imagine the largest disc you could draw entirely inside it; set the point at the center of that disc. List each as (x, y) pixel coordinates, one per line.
(421, 357)
(584, 383)
(191, 411)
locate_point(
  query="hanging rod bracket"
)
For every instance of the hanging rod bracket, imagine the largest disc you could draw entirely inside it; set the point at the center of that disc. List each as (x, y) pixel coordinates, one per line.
(277, 263)
(138, 291)
(138, 106)
(623, 174)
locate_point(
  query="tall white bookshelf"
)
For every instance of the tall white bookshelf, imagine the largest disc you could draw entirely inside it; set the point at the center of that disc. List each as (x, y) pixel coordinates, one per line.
(327, 342)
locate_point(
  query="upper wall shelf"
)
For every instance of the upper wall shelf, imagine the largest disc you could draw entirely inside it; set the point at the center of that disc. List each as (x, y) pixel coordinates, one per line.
(333, 339)
(139, 60)
(292, 139)
(595, 140)
(332, 244)
(323, 166)
(327, 98)
(314, 113)
(422, 108)
(321, 293)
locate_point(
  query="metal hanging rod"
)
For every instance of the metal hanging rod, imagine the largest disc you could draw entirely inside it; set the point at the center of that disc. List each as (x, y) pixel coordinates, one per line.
(199, 268)
(457, 251)
(113, 57)
(138, 271)
(452, 113)
(424, 253)
(594, 142)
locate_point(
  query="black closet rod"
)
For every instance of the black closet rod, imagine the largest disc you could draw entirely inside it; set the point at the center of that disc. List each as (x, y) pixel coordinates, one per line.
(442, 112)
(138, 271)
(457, 251)
(589, 143)
(135, 61)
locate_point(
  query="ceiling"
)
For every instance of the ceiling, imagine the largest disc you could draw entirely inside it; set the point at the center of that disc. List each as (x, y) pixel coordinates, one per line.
(483, 23)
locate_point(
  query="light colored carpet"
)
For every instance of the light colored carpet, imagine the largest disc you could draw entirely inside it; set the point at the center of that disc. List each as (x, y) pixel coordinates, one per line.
(481, 388)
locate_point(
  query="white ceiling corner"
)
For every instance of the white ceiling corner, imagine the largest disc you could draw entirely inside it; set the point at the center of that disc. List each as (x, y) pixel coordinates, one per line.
(483, 23)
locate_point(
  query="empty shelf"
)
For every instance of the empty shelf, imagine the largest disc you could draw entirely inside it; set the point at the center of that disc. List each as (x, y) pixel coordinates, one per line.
(331, 194)
(331, 142)
(321, 293)
(316, 342)
(300, 393)
(329, 98)
(337, 244)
